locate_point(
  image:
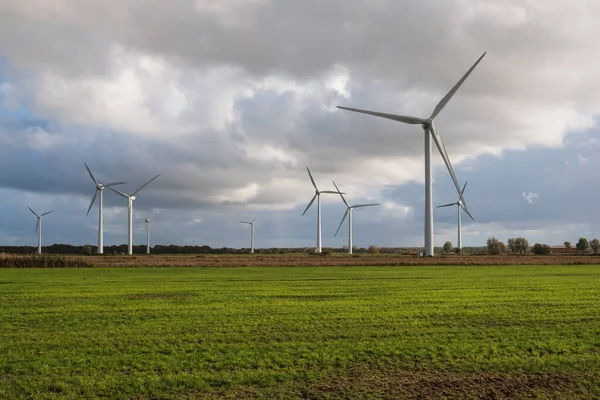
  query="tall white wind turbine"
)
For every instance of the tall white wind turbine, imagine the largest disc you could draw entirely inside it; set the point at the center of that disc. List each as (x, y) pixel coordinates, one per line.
(429, 132)
(318, 197)
(459, 205)
(99, 188)
(130, 198)
(147, 233)
(251, 223)
(38, 227)
(348, 214)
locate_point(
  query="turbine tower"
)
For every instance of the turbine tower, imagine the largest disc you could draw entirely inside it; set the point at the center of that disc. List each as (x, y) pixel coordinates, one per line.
(147, 233)
(429, 133)
(130, 198)
(348, 213)
(318, 197)
(99, 188)
(251, 223)
(459, 206)
(38, 227)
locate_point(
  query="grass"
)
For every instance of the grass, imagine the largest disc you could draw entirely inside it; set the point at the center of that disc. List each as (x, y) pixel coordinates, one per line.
(306, 332)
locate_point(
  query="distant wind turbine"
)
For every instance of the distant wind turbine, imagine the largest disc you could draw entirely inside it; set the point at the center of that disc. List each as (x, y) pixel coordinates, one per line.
(130, 198)
(318, 197)
(38, 227)
(459, 206)
(99, 188)
(430, 132)
(348, 213)
(251, 223)
(147, 233)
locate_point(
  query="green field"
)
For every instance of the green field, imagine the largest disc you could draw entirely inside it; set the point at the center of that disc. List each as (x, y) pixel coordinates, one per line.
(314, 332)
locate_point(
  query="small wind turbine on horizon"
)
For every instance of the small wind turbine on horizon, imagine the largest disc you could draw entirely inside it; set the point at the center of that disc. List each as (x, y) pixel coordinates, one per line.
(459, 206)
(251, 223)
(147, 232)
(130, 198)
(348, 214)
(99, 188)
(318, 197)
(38, 227)
(429, 133)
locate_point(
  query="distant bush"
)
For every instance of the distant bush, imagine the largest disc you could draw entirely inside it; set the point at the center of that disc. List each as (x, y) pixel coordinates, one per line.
(447, 247)
(495, 246)
(518, 245)
(541, 249)
(373, 249)
(582, 245)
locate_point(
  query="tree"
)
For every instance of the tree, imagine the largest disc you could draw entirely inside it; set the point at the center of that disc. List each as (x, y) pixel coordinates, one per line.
(518, 245)
(373, 249)
(595, 245)
(495, 246)
(447, 247)
(568, 246)
(582, 245)
(541, 249)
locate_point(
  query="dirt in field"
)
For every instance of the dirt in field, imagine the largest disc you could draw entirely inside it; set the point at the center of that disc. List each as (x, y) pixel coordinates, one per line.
(392, 382)
(293, 260)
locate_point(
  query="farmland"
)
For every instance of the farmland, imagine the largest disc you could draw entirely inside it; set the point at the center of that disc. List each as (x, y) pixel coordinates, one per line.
(302, 332)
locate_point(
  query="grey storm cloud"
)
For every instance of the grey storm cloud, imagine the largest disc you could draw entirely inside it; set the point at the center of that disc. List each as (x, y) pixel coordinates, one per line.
(230, 100)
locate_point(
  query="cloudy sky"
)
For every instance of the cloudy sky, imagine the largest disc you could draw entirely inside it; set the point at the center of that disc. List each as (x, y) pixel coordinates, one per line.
(230, 100)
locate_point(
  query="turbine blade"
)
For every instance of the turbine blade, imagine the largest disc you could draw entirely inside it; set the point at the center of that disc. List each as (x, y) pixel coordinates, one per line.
(365, 205)
(144, 185)
(310, 204)
(395, 117)
(440, 145)
(112, 184)
(119, 192)
(452, 91)
(254, 219)
(47, 213)
(93, 200)
(447, 205)
(464, 187)
(34, 213)
(468, 213)
(37, 225)
(90, 172)
(341, 195)
(331, 192)
(244, 222)
(343, 218)
(311, 179)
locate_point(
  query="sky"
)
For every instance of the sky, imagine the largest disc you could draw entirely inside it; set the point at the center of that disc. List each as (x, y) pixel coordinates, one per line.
(230, 101)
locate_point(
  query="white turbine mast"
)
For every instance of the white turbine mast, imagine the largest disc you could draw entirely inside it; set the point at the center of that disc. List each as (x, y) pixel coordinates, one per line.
(348, 214)
(99, 188)
(318, 197)
(130, 198)
(147, 232)
(429, 132)
(459, 205)
(38, 227)
(251, 223)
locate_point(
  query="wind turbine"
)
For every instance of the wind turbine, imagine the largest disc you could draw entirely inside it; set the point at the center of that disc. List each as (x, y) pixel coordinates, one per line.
(251, 223)
(99, 188)
(459, 205)
(318, 197)
(147, 233)
(38, 227)
(429, 132)
(348, 213)
(130, 198)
